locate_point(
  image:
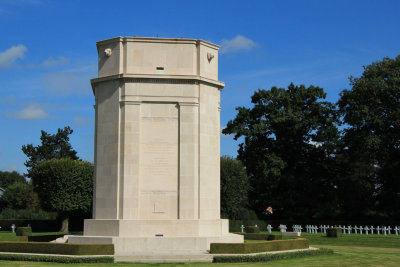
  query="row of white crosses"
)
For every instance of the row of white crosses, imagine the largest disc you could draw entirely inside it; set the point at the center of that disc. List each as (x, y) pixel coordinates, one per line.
(297, 228)
(313, 229)
(385, 230)
(283, 228)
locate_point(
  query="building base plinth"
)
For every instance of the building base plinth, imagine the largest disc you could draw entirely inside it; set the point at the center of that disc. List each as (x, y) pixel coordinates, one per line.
(130, 246)
(135, 237)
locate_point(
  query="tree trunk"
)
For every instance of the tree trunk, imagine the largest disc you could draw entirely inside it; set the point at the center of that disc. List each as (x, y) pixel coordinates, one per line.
(64, 225)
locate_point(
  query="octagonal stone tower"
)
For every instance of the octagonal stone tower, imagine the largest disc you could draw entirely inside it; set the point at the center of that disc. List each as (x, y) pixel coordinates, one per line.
(157, 146)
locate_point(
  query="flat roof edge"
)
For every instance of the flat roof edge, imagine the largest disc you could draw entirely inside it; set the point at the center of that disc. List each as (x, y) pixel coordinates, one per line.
(157, 40)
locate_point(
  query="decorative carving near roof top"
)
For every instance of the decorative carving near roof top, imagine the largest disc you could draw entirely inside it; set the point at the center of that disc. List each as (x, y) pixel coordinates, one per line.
(210, 57)
(108, 52)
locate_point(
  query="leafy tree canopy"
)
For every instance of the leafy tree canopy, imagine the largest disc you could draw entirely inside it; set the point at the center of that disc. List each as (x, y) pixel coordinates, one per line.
(9, 178)
(371, 141)
(64, 185)
(234, 187)
(52, 146)
(20, 196)
(289, 143)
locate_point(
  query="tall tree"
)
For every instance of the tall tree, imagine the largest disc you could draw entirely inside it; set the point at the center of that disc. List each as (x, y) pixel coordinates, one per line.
(52, 146)
(288, 150)
(64, 185)
(21, 196)
(9, 178)
(234, 187)
(371, 142)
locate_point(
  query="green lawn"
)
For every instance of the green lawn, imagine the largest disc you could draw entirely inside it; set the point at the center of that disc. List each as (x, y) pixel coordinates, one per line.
(353, 250)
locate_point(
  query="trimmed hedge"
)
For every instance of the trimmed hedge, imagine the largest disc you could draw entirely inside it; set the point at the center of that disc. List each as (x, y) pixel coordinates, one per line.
(252, 229)
(253, 236)
(255, 247)
(334, 232)
(43, 238)
(16, 257)
(57, 248)
(271, 257)
(23, 231)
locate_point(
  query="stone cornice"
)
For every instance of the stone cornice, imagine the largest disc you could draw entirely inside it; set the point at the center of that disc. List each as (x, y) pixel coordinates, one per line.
(158, 40)
(156, 78)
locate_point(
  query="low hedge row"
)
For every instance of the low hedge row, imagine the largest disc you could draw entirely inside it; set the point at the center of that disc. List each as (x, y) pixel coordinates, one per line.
(250, 236)
(252, 229)
(57, 248)
(271, 257)
(255, 247)
(15, 257)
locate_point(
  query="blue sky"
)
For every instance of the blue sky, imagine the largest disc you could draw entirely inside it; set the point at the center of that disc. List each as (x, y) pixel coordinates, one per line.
(48, 54)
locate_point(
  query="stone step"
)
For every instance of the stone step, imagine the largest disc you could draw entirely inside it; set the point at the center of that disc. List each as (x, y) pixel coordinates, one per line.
(165, 256)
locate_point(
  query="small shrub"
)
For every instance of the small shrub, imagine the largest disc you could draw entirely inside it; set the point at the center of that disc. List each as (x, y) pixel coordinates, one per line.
(252, 229)
(334, 232)
(23, 231)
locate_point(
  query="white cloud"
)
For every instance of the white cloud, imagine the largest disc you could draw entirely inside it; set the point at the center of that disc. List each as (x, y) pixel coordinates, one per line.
(51, 62)
(237, 44)
(31, 112)
(66, 83)
(8, 57)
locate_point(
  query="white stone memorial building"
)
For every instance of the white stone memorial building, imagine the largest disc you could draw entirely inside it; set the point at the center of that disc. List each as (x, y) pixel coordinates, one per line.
(157, 146)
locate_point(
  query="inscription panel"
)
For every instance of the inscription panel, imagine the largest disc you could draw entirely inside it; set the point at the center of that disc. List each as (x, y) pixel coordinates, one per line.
(159, 161)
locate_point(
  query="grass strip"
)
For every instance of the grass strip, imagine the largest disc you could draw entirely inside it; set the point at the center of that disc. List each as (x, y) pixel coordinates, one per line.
(272, 257)
(40, 258)
(261, 246)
